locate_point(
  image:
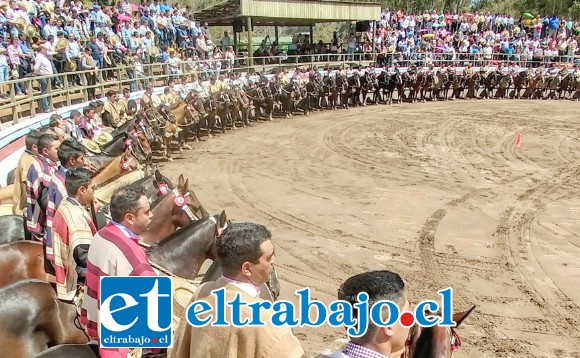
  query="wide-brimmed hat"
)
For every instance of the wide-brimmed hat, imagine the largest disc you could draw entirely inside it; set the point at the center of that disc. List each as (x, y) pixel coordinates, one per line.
(103, 138)
(91, 145)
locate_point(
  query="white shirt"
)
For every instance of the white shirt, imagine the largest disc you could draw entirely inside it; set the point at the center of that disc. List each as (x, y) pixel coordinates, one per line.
(42, 65)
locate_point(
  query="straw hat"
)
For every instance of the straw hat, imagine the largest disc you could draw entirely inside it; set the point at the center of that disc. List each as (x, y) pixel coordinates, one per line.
(103, 138)
(91, 145)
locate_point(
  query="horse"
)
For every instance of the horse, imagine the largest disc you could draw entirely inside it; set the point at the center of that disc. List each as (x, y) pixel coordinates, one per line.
(133, 140)
(503, 84)
(520, 81)
(183, 252)
(289, 95)
(168, 215)
(20, 260)
(71, 351)
(436, 341)
(119, 165)
(12, 228)
(33, 319)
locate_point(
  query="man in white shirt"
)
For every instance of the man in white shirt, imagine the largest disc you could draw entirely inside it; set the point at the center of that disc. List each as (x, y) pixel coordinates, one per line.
(43, 67)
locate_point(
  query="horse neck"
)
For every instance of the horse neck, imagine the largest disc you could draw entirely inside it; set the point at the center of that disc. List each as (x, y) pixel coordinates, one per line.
(184, 252)
(431, 342)
(108, 171)
(162, 223)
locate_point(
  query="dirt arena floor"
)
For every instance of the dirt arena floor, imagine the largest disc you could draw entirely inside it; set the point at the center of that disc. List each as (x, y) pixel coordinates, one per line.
(436, 192)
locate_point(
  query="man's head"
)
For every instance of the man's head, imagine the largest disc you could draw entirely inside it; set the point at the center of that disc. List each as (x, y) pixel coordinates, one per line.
(31, 141)
(380, 286)
(78, 185)
(130, 207)
(246, 253)
(71, 154)
(48, 146)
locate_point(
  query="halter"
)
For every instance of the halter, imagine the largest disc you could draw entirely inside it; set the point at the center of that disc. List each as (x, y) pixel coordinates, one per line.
(180, 200)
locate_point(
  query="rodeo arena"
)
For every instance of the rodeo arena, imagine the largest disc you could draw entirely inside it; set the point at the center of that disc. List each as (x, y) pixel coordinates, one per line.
(413, 153)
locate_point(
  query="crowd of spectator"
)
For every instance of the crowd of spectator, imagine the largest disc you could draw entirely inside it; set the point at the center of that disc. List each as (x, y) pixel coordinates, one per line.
(481, 38)
(40, 37)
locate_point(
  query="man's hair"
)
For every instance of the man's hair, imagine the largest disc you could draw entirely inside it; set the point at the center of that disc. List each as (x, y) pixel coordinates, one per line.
(125, 200)
(54, 119)
(74, 113)
(111, 93)
(380, 286)
(45, 140)
(240, 243)
(32, 138)
(70, 148)
(76, 178)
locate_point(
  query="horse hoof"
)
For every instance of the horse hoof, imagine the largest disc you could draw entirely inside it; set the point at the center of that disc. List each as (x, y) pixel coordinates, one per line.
(169, 159)
(186, 146)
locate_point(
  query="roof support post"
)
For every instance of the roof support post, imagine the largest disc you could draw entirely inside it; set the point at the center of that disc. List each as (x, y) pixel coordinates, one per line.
(250, 41)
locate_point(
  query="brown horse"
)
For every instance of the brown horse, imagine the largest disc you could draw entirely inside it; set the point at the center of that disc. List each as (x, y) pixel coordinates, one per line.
(21, 260)
(33, 319)
(168, 215)
(436, 341)
(48, 321)
(114, 168)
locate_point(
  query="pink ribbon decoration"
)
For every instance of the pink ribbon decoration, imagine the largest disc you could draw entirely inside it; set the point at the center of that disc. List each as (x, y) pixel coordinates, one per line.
(125, 165)
(180, 200)
(163, 188)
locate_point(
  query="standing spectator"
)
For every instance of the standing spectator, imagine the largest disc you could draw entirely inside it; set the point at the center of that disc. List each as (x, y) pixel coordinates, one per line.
(43, 67)
(4, 69)
(88, 64)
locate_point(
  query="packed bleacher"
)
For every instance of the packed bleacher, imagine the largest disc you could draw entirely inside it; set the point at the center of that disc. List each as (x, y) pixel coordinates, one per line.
(527, 40)
(43, 37)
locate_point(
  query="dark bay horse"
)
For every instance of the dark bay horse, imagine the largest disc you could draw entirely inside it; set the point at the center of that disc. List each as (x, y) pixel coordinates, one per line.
(33, 319)
(183, 252)
(435, 342)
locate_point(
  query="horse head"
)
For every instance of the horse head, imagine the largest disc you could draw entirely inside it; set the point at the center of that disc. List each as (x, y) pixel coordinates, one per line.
(183, 252)
(436, 341)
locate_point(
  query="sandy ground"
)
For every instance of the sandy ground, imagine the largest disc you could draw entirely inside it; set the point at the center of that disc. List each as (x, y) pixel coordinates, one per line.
(436, 192)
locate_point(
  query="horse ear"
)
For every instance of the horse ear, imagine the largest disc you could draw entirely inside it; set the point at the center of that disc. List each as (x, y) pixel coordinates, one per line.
(185, 187)
(181, 181)
(158, 177)
(223, 218)
(460, 316)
